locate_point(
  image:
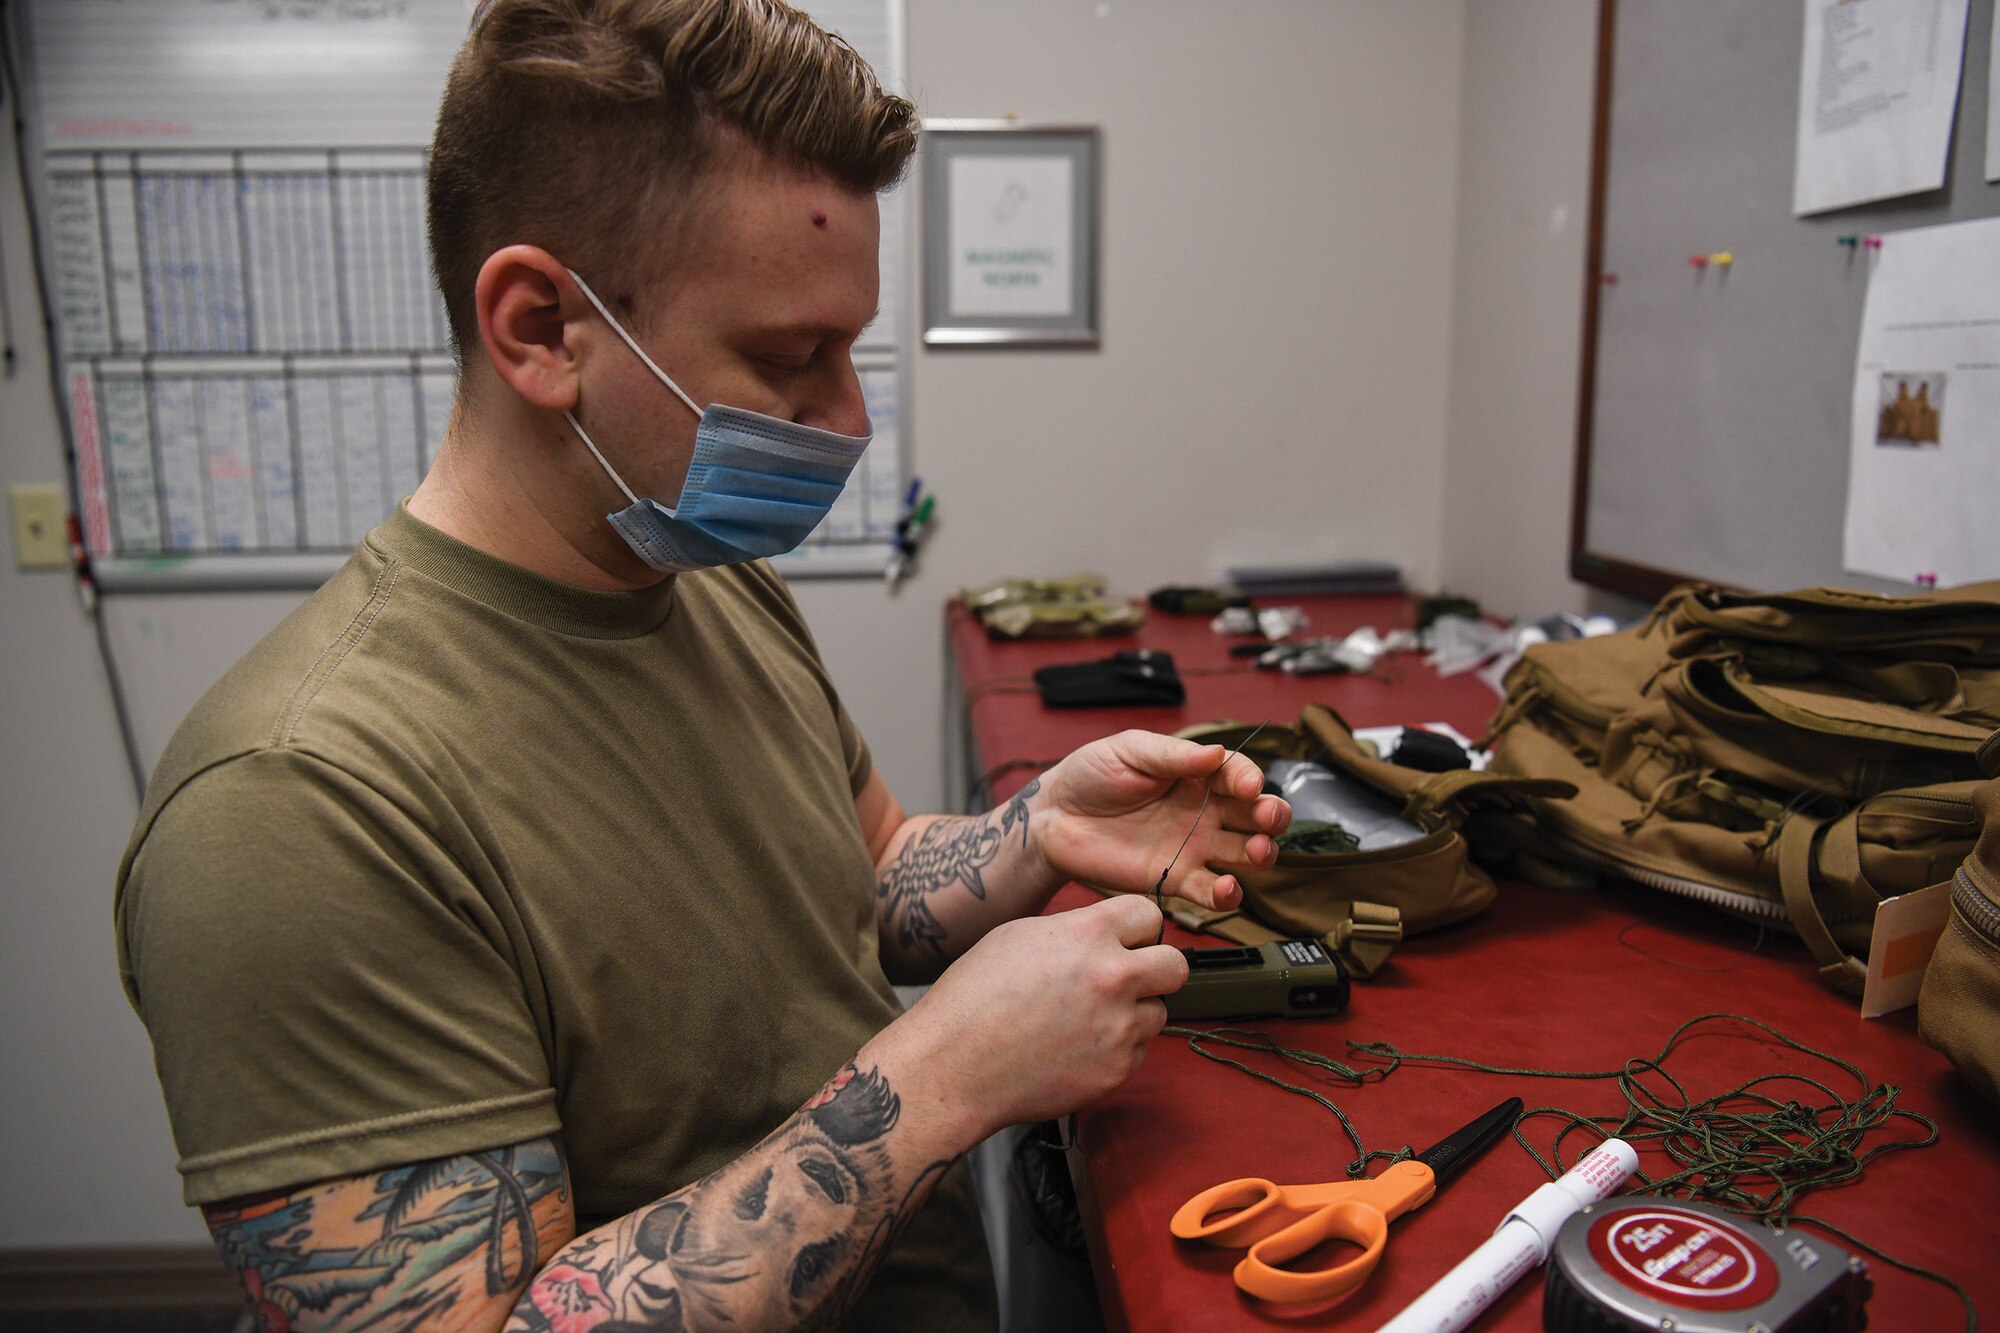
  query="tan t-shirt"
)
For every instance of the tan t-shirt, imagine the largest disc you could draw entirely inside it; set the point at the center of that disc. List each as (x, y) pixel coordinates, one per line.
(460, 856)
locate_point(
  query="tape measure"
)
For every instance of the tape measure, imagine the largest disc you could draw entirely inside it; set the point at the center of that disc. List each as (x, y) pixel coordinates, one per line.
(1641, 1261)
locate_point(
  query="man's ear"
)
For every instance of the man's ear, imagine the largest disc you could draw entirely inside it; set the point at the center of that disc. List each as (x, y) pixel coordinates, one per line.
(527, 308)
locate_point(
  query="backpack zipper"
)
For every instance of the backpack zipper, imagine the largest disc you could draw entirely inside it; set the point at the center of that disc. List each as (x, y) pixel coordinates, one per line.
(1749, 904)
(1959, 805)
(1978, 910)
(1745, 903)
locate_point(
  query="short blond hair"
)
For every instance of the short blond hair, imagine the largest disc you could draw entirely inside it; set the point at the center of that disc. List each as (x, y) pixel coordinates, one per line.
(577, 125)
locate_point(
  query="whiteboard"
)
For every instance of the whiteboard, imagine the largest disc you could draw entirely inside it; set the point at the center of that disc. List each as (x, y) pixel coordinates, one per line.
(254, 365)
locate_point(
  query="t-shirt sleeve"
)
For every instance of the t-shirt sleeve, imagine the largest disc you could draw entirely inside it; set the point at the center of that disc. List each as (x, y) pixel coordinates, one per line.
(778, 595)
(860, 763)
(326, 989)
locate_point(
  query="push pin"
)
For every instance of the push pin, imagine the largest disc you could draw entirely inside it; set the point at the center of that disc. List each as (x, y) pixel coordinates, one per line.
(1927, 580)
(1698, 261)
(1850, 242)
(1872, 243)
(1608, 279)
(1722, 259)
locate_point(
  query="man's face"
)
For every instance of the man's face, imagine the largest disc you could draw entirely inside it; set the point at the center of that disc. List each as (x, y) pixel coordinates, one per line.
(775, 280)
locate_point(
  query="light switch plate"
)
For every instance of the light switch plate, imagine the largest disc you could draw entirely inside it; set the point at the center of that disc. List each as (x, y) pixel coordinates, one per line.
(41, 536)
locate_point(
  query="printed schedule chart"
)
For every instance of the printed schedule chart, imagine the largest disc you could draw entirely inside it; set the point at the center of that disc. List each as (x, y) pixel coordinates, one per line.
(253, 359)
(257, 358)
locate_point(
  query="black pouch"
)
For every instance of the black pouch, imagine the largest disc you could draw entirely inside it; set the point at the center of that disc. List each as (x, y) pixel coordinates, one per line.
(1429, 751)
(1139, 677)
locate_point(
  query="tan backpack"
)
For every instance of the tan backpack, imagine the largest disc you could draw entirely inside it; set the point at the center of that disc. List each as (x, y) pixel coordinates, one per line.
(1792, 758)
(1361, 903)
(1959, 1010)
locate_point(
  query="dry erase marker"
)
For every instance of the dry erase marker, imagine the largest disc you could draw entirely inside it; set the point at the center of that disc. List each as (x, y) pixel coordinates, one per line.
(901, 547)
(1521, 1243)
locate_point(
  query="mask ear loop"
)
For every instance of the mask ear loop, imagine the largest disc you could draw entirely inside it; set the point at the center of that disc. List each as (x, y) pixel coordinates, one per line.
(637, 350)
(609, 471)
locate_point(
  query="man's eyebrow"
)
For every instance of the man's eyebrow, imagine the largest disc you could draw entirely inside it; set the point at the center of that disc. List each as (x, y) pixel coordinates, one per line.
(818, 331)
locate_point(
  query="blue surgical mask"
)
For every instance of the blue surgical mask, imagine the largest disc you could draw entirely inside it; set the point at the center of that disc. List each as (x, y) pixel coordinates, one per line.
(757, 485)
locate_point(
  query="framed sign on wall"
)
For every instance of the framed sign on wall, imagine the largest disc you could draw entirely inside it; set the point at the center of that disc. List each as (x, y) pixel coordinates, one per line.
(1010, 234)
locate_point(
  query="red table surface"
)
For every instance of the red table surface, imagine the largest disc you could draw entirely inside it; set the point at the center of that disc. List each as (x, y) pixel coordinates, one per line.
(1548, 979)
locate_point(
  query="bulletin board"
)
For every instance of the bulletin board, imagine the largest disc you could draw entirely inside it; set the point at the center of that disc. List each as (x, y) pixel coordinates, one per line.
(1713, 417)
(251, 359)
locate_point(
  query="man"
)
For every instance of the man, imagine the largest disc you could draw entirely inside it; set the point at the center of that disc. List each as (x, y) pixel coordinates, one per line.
(496, 919)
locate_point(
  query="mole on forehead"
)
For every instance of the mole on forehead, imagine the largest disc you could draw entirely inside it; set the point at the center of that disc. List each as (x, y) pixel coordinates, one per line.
(819, 218)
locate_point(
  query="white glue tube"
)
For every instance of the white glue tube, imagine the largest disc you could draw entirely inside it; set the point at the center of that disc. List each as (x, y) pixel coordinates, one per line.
(1521, 1243)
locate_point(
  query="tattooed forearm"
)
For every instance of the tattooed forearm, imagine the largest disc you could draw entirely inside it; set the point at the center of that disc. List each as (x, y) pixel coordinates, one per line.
(398, 1248)
(786, 1236)
(944, 853)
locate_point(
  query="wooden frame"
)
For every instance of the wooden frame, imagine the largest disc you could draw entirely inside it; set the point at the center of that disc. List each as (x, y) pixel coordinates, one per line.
(1645, 582)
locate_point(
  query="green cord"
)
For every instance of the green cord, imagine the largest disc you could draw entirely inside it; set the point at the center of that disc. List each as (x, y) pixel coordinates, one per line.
(1722, 1144)
(1159, 887)
(1354, 1078)
(1971, 1314)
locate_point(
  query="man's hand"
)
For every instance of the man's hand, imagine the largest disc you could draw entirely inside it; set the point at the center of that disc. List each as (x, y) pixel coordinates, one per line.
(1114, 812)
(1043, 1015)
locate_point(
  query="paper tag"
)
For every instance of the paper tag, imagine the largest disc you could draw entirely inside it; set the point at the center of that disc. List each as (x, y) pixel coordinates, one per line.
(1906, 931)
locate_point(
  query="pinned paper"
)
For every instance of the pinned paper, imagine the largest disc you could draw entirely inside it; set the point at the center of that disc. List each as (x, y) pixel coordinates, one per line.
(1878, 88)
(1924, 448)
(1906, 932)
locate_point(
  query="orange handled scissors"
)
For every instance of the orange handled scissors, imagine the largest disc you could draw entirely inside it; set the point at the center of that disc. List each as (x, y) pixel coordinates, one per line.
(1280, 1222)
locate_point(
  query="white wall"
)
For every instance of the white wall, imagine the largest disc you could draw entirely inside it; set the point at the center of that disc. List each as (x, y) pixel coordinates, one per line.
(1277, 224)
(1283, 378)
(1522, 228)
(79, 1110)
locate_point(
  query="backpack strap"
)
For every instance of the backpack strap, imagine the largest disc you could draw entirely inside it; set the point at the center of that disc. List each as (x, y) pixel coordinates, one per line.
(1365, 939)
(1262, 742)
(1362, 942)
(1444, 796)
(1429, 800)
(1231, 925)
(1798, 837)
(1839, 857)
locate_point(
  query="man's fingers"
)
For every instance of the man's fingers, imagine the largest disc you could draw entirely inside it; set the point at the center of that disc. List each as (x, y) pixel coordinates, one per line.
(1234, 778)
(1133, 918)
(1274, 814)
(1236, 851)
(1239, 777)
(1170, 757)
(1161, 969)
(1266, 814)
(1205, 887)
(1158, 969)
